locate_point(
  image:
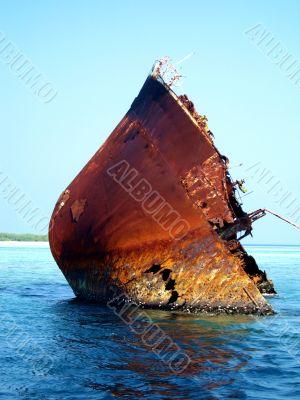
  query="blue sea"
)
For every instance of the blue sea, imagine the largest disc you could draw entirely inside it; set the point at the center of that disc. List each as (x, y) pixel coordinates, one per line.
(53, 346)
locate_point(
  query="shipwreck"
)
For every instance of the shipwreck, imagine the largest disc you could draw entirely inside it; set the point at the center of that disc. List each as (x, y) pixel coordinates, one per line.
(153, 217)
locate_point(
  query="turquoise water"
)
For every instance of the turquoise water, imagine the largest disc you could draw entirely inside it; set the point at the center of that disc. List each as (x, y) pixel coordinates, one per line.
(55, 347)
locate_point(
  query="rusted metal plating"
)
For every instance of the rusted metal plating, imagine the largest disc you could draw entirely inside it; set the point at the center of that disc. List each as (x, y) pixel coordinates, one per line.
(153, 215)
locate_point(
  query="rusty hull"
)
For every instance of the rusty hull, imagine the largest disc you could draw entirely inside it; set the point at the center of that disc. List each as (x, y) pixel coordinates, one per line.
(177, 249)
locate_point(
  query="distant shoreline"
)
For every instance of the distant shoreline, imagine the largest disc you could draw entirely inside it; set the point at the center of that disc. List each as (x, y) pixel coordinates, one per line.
(33, 240)
(22, 237)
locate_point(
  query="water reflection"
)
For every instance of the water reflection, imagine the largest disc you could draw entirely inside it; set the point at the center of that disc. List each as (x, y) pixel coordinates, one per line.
(117, 359)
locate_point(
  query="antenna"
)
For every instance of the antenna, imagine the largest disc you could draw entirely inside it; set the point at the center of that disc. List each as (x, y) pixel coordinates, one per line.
(284, 219)
(185, 58)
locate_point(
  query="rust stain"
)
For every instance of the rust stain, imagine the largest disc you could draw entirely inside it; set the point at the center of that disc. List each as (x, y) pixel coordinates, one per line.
(77, 209)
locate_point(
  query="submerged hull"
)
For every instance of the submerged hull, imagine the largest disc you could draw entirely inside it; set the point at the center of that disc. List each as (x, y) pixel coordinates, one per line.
(153, 218)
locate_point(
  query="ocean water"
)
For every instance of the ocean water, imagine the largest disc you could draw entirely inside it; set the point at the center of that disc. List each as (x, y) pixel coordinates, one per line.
(55, 347)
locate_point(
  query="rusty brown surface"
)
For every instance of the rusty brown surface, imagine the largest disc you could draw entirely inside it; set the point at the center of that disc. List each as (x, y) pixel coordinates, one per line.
(172, 257)
(77, 209)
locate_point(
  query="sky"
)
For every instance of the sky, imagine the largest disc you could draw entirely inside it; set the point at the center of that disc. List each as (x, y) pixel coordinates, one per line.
(94, 56)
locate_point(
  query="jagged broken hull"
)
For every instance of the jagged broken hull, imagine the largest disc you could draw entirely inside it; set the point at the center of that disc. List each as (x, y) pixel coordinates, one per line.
(152, 216)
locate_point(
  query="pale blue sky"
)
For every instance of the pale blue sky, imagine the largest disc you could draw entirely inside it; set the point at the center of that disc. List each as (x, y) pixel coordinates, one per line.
(98, 54)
